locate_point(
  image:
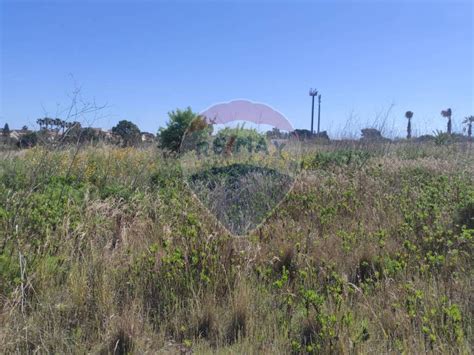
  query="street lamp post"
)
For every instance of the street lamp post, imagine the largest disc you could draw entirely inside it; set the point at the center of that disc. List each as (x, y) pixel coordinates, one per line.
(313, 93)
(319, 111)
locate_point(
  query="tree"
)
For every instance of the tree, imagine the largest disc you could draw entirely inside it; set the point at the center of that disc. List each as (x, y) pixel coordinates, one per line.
(77, 134)
(302, 134)
(321, 136)
(24, 128)
(371, 134)
(47, 122)
(179, 121)
(468, 122)
(409, 116)
(28, 140)
(6, 130)
(128, 132)
(57, 122)
(447, 114)
(40, 122)
(274, 133)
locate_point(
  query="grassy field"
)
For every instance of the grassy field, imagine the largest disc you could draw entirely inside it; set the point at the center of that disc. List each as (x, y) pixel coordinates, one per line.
(106, 250)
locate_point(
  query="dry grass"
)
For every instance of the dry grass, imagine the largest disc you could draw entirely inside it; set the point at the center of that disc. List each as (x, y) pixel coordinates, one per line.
(363, 256)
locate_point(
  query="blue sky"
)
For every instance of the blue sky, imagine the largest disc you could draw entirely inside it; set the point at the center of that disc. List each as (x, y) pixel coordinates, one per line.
(145, 58)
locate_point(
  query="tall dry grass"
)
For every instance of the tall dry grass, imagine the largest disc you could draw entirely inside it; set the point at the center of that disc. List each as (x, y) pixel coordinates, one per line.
(369, 253)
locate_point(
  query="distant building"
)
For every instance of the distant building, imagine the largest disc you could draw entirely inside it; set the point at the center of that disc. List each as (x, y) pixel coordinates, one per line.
(16, 134)
(147, 137)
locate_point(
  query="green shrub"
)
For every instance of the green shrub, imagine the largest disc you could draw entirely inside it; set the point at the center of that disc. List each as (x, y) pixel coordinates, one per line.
(180, 122)
(324, 160)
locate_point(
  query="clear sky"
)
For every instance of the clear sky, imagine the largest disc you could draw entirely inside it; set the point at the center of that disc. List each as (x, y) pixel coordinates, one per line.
(145, 58)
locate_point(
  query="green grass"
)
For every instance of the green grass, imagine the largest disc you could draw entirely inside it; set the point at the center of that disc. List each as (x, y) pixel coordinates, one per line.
(370, 252)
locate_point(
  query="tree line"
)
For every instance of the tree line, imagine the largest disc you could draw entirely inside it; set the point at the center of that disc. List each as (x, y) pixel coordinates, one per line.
(127, 133)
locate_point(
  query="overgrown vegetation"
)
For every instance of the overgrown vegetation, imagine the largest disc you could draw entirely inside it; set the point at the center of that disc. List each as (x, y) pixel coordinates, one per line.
(240, 196)
(105, 250)
(128, 132)
(179, 121)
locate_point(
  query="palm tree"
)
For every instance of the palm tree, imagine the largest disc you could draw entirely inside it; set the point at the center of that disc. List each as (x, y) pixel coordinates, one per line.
(468, 122)
(447, 114)
(47, 122)
(57, 123)
(409, 115)
(50, 122)
(40, 122)
(63, 125)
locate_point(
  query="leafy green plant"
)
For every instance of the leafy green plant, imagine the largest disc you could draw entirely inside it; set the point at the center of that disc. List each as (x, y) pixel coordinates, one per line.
(179, 122)
(117, 254)
(442, 138)
(325, 160)
(239, 139)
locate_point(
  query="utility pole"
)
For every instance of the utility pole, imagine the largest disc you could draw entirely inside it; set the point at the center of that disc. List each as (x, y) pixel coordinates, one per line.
(319, 110)
(313, 93)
